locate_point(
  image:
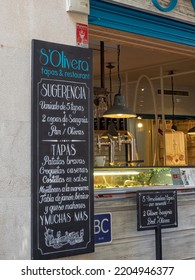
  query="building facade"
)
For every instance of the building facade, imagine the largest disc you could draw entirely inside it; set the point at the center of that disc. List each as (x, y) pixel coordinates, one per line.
(21, 22)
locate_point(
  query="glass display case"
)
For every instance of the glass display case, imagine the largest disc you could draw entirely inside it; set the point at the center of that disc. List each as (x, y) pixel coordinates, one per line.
(126, 179)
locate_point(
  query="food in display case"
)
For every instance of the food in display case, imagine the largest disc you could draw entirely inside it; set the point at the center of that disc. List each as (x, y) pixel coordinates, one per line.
(126, 177)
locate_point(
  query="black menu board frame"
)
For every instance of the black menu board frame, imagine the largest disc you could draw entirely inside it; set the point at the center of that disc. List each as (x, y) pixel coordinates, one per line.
(156, 208)
(62, 204)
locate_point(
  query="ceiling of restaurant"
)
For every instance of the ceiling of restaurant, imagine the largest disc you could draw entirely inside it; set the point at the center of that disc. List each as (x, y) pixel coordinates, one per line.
(136, 61)
(142, 56)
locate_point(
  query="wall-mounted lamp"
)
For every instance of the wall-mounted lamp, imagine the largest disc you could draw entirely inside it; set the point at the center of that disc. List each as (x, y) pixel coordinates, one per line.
(119, 109)
(78, 6)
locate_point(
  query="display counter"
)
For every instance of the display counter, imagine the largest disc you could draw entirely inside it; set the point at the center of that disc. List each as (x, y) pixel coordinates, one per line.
(128, 180)
(115, 194)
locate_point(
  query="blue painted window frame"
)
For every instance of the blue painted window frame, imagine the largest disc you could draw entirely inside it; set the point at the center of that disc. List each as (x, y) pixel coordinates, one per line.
(139, 22)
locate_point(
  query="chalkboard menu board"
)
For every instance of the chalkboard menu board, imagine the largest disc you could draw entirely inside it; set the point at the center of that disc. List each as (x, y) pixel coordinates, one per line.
(62, 150)
(156, 208)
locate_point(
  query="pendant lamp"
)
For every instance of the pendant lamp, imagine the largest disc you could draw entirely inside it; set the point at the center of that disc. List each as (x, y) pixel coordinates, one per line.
(191, 131)
(119, 109)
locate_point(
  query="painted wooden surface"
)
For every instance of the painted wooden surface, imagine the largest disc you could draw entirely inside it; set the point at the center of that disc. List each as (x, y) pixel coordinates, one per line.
(130, 244)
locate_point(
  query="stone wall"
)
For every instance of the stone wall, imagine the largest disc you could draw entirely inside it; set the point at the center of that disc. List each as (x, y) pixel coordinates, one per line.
(20, 22)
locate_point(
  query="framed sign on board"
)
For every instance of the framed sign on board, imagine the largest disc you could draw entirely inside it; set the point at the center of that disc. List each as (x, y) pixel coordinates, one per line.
(157, 208)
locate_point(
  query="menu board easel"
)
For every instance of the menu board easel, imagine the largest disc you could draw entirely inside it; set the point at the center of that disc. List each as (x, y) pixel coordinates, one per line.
(157, 210)
(62, 150)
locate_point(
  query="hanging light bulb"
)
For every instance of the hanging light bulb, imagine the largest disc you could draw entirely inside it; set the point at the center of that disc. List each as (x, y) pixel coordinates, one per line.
(119, 109)
(139, 124)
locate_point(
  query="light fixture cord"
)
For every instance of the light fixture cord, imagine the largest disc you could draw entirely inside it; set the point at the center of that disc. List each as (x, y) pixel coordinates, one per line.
(110, 76)
(173, 101)
(110, 67)
(118, 67)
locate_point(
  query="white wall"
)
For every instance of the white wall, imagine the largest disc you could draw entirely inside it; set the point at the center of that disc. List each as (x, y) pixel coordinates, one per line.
(184, 105)
(20, 22)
